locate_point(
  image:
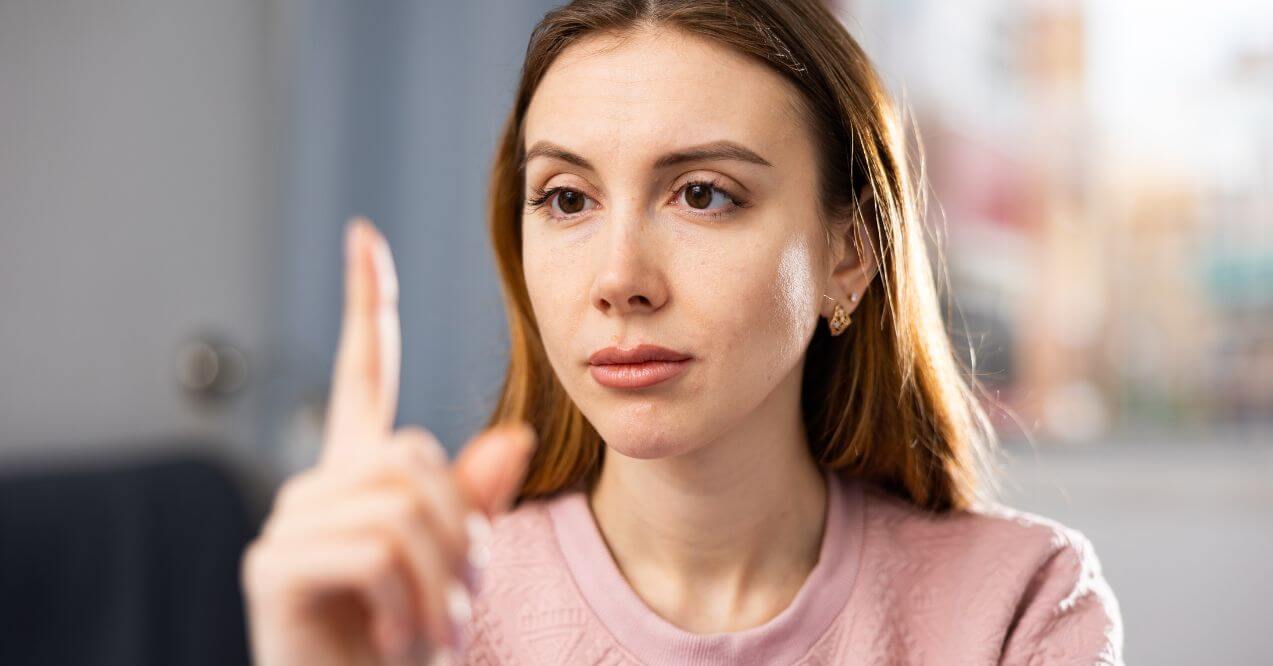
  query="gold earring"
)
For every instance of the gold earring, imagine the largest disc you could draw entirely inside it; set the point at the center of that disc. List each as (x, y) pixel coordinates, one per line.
(840, 319)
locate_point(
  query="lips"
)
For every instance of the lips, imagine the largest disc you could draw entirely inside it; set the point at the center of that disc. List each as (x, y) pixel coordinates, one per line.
(638, 354)
(639, 367)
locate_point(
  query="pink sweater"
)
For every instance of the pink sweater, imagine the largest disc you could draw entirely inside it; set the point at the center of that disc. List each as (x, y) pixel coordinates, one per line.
(893, 585)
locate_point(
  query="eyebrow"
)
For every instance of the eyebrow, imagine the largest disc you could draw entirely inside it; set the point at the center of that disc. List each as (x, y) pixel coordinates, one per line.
(707, 152)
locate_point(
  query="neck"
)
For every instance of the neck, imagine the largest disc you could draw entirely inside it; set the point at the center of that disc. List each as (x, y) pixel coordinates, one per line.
(722, 537)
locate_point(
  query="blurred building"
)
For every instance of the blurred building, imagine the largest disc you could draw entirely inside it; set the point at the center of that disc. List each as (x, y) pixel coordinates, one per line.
(1106, 232)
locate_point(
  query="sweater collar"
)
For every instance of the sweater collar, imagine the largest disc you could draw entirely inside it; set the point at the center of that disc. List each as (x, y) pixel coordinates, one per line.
(655, 641)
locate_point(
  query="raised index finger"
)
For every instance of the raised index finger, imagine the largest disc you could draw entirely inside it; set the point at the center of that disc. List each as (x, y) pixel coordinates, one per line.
(364, 393)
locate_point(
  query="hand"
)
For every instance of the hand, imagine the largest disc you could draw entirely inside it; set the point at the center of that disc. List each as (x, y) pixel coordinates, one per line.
(366, 557)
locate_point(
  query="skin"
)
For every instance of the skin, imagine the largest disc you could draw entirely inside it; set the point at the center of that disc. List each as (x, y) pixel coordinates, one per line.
(708, 498)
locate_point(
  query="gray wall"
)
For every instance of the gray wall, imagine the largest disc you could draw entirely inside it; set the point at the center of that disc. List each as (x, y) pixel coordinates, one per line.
(137, 210)
(395, 110)
(177, 170)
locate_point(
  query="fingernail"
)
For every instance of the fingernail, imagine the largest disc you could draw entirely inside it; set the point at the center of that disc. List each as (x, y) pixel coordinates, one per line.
(479, 532)
(472, 578)
(532, 438)
(386, 270)
(444, 655)
(460, 607)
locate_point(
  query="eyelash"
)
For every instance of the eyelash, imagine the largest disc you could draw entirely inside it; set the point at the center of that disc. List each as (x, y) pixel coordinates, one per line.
(541, 196)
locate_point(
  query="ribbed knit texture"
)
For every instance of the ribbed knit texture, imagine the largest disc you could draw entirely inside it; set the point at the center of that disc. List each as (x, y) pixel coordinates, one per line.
(893, 585)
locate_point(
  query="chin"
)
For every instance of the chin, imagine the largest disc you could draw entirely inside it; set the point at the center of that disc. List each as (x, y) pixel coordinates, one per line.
(634, 445)
(641, 432)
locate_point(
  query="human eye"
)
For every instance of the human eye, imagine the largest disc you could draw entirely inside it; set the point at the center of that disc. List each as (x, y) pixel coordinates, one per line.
(708, 198)
(562, 202)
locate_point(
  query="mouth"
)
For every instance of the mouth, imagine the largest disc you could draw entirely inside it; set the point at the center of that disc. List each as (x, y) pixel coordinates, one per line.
(642, 366)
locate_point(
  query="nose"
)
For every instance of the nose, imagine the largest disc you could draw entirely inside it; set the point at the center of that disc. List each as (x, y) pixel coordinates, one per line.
(629, 279)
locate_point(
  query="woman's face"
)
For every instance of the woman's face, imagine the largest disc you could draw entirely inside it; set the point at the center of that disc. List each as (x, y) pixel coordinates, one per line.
(717, 255)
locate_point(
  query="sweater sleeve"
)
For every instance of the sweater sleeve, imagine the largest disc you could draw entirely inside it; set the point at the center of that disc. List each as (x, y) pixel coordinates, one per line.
(1068, 613)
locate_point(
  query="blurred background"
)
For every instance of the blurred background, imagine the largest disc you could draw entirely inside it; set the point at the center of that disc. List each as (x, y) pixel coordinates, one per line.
(174, 178)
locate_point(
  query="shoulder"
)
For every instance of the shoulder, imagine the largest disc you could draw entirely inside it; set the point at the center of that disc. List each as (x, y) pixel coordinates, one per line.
(988, 535)
(524, 549)
(527, 608)
(523, 531)
(1019, 583)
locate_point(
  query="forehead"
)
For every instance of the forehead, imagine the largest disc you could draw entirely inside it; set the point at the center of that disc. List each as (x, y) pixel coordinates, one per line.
(651, 89)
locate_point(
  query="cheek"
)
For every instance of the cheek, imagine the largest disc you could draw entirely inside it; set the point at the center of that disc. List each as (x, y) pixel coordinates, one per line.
(549, 284)
(789, 302)
(763, 304)
(793, 293)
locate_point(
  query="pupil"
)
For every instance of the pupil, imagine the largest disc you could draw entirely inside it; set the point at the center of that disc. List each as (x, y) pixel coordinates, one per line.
(571, 201)
(699, 196)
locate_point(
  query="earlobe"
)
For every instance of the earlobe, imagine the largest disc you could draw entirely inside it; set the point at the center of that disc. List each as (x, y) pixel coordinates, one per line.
(857, 266)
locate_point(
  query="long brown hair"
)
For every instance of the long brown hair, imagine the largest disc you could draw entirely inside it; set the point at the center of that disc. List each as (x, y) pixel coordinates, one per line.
(888, 400)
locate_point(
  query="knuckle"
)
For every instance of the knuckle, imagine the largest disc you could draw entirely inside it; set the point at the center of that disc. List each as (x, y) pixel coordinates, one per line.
(255, 565)
(381, 561)
(285, 497)
(417, 433)
(271, 527)
(375, 462)
(419, 443)
(398, 453)
(404, 509)
(290, 492)
(249, 562)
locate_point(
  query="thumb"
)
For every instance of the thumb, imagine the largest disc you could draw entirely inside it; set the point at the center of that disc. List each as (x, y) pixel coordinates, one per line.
(491, 468)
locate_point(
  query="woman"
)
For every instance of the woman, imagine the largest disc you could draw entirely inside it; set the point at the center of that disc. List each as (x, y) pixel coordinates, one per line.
(684, 192)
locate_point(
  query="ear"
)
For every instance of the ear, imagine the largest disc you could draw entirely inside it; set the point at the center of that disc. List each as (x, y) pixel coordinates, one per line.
(855, 262)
